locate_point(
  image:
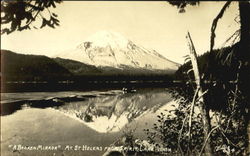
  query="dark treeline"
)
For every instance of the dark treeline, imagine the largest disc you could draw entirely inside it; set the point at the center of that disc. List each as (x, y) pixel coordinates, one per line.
(81, 86)
(40, 73)
(218, 72)
(84, 83)
(219, 64)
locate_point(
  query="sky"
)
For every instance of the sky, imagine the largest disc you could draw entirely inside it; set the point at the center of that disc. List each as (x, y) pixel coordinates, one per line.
(152, 24)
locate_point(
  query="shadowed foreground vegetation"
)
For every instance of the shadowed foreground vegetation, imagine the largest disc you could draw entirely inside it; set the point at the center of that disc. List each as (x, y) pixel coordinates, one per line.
(180, 131)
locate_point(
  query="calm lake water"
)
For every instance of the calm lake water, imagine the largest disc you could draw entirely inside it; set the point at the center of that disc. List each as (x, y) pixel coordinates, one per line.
(76, 123)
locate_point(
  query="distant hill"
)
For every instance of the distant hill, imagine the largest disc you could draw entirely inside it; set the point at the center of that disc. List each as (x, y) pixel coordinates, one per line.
(77, 68)
(20, 67)
(30, 67)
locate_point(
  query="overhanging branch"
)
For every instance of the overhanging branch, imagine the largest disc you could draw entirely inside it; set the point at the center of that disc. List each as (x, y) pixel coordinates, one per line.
(215, 22)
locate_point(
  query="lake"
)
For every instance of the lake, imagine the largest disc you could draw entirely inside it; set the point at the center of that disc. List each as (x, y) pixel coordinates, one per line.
(76, 123)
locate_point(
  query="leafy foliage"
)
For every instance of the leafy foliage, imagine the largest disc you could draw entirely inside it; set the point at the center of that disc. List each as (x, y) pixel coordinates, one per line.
(227, 101)
(181, 5)
(19, 15)
(218, 71)
(172, 130)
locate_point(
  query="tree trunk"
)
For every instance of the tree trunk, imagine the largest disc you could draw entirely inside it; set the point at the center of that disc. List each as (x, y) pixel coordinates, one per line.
(244, 56)
(244, 10)
(202, 103)
(245, 21)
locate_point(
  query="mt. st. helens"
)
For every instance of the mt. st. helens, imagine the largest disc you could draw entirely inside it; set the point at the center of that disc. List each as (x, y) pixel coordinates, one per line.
(109, 49)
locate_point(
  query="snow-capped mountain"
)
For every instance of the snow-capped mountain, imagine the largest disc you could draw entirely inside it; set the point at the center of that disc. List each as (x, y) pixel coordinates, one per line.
(111, 49)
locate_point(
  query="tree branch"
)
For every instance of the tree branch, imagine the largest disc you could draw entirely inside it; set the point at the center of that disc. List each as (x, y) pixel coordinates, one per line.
(201, 102)
(215, 22)
(191, 114)
(180, 134)
(208, 136)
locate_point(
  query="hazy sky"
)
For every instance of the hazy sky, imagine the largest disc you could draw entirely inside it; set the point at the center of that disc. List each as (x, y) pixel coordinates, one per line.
(155, 25)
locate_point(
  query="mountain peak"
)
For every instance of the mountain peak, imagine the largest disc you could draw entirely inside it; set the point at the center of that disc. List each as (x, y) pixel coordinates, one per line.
(107, 38)
(111, 49)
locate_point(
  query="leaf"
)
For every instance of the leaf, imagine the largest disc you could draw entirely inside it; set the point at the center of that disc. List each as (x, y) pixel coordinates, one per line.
(53, 4)
(44, 23)
(14, 25)
(187, 59)
(55, 15)
(5, 30)
(24, 28)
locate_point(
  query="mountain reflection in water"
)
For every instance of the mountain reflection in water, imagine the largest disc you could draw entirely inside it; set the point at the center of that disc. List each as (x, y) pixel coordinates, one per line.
(111, 113)
(104, 112)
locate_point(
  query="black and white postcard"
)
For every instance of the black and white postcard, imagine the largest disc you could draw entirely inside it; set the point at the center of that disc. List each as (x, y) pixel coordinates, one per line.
(125, 78)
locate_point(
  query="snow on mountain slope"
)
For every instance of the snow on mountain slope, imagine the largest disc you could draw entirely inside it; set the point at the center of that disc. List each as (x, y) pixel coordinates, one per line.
(112, 49)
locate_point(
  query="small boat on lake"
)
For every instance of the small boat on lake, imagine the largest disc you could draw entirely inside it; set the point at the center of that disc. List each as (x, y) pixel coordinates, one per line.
(128, 90)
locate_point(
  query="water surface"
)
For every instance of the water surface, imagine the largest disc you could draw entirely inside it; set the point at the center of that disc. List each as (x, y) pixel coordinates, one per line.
(94, 118)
